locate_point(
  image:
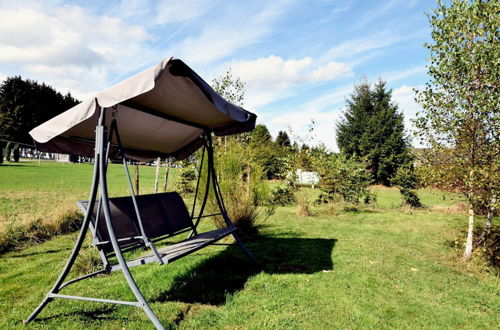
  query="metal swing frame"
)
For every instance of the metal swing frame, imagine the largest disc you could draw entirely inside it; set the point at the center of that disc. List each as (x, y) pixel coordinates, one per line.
(103, 144)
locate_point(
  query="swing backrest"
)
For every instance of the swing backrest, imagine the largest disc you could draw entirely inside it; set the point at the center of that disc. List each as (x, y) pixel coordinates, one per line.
(163, 215)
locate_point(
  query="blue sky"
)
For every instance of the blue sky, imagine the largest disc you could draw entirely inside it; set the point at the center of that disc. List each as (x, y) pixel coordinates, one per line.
(299, 59)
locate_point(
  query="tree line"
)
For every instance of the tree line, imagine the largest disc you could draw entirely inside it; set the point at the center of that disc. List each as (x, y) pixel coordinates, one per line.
(25, 104)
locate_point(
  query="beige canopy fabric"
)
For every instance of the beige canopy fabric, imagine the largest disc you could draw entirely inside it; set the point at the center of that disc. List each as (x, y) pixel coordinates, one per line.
(162, 111)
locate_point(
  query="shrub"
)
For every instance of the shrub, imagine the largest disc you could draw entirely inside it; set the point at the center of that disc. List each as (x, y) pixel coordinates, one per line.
(342, 180)
(407, 181)
(88, 261)
(283, 196)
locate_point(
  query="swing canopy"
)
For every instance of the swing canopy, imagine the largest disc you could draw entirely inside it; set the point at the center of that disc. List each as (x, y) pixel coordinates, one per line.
(163, 111)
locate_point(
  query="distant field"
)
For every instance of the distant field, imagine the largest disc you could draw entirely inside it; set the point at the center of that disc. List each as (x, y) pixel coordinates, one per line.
(33, 192)
(381, 267)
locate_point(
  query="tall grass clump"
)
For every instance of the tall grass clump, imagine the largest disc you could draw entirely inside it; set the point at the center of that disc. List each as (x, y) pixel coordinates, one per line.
(304, 204)
(38, 228)
(88, 261)
(243, 192)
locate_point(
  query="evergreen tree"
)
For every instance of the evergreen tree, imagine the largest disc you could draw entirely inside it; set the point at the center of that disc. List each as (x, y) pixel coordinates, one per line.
(260, 136)
(25, 104)
(283, 140)
(265, 153)
(373, 129)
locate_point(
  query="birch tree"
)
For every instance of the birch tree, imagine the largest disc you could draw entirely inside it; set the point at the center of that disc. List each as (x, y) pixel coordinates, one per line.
(460, 120)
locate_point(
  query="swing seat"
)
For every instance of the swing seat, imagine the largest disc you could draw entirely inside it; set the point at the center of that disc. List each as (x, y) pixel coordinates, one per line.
(164, 215)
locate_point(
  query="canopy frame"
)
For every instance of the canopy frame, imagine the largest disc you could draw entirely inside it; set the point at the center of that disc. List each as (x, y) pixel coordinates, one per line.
(103, 144)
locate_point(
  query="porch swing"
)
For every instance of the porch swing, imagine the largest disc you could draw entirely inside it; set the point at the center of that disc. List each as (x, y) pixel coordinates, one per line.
(167, 110)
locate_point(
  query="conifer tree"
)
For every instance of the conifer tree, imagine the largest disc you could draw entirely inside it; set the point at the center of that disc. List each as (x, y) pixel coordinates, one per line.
(372, 129)
(283, 140)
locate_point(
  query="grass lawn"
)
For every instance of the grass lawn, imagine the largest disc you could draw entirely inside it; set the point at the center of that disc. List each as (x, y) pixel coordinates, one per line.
(36, 197)
(379, 267)
(28, 186)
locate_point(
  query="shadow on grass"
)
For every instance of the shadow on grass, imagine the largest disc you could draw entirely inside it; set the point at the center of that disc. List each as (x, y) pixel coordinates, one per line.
(227, 272)
(103, 313)
(32, 254)
(16, 165)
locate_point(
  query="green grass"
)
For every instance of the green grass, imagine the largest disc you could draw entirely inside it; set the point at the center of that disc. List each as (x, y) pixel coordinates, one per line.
(382, 267)
(36, 197)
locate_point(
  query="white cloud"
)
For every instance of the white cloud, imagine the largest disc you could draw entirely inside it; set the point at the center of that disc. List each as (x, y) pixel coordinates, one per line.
(376, 13)
(404, 96)
(325, 111)
(214, 43)
(69, 35)
(270, 78)
(397, 75)
(349, 49)
(173, 11)
(67, 47)
(220, 38)
(332, 70)
(135, 8)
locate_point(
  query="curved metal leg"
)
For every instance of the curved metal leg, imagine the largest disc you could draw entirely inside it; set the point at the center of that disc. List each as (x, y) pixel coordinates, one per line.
(76, 249)
(112, 237)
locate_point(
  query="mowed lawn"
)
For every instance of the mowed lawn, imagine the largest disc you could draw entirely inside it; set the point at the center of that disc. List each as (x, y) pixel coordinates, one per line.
(32, 187)
(380, 267)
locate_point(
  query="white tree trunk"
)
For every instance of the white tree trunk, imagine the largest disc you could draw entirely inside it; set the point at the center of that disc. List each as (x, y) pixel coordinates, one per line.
(468, 243)
(165, 179)
(158, 161)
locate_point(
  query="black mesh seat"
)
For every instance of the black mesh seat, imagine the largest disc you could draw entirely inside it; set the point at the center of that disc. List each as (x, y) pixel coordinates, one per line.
(163, 215)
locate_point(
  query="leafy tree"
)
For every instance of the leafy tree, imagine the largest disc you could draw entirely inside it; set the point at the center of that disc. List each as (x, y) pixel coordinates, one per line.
(461, 115)
(24, 104)
(283, 140)
(232, 89)
(373, 129)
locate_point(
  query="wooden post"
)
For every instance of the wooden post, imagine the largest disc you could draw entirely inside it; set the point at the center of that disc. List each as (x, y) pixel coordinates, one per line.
(158, 161)
(167, 168)
(136, 174)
